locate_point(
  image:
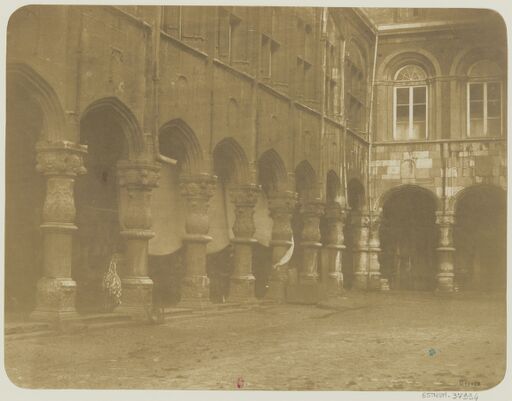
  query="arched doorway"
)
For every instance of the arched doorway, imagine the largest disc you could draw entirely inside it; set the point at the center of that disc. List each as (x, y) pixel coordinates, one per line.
(271, 178)
(97, 204)
(408, 238)
(231, 168)
(355, 201)
(305, 181)
(24, 197)
(167, 259)
(480, 238)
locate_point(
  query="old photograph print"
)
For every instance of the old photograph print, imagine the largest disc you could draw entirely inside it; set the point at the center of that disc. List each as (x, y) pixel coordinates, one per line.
(255, 198)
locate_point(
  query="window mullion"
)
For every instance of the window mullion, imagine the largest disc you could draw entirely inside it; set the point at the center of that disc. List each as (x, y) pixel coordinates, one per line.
(485, 108)
(411, 108)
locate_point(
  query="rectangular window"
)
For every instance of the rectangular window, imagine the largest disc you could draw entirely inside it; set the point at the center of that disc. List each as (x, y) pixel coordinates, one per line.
(484, 109)
(410, 113)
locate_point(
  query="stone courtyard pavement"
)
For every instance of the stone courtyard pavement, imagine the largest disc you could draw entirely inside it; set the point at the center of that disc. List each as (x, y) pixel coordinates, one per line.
(373, 341)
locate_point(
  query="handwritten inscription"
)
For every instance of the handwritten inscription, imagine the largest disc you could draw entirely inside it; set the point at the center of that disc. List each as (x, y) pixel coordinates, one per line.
(450, 395)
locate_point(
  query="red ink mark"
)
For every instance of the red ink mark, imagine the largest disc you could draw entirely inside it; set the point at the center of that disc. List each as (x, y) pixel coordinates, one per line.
(240, 382)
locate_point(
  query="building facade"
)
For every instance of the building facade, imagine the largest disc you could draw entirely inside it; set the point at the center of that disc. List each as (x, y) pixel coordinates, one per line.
(231, 153)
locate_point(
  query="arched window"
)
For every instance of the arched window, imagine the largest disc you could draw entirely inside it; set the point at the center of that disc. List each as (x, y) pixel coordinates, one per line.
(484, 97)
(355, 79)
(410, 103)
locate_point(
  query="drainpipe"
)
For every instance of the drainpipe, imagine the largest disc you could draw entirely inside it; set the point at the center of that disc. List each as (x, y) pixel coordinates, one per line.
(370, 125)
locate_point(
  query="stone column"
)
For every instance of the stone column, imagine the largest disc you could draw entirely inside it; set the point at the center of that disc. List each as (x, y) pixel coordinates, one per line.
(335, 219)
(361, 225)
(311, 213)
(136, 180)
(281, 205)
(196, 191)
(242, 280)
(445, 251)
(373, 252)
(60, 162)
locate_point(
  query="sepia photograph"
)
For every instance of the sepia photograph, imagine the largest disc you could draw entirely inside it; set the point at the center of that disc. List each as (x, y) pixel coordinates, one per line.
(255, 197)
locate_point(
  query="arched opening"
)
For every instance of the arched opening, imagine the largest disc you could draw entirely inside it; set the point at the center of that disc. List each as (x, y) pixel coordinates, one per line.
(332, 187)
(355, 201)
(24, 198)
(480, 238)
(166, 252)
(305, 181)
(231, 168)
(408, 239)
(97, 204)
(271, 177)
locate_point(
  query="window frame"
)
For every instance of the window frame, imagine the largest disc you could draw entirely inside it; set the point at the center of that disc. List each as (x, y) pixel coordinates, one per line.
(411, 109)
(485, 118)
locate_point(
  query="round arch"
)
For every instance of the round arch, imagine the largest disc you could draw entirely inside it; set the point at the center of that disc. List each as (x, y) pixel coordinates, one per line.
(469, 56)
(480, 237)
(115, 110)
(394, 61)
(379, 204)
(409, 238)
(177, 141)
(456, 199)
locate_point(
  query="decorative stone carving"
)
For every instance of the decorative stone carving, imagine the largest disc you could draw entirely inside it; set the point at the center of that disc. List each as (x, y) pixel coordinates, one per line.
(281, 205)
(311, 213)
(335, 217)
(445, 251)
(197, 190)
(60, 158)
(60, 162)
(445, 221)
(375, 222)
(244, 198)
(136, 181)
(361, 259)
(373, 252)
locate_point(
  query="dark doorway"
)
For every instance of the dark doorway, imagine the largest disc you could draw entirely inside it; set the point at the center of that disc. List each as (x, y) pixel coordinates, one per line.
(97, 207)
(480, 239)
(408, 238)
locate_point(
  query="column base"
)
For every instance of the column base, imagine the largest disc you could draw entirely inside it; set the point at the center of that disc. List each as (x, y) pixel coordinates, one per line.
(374, 282)
(136, 296)
(277, 285)
(445, 282)
(334, 283)
(360, 281)
(55, 299)
(241, 289)
(195, 288)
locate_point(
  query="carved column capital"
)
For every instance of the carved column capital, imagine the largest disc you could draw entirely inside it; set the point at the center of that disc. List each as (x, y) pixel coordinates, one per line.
(136, 180)
(311, 213)
(244, 198)
(60, 162)
(445, 221)
(142, 175)
(201, 186)
(282, 205)
(197, 191)
(375, 223)
(61, 158)
(335, 217)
